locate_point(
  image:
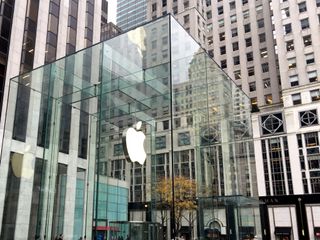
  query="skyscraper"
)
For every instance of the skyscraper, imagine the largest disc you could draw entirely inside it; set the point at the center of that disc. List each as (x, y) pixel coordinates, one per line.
(269, 48)
(242, 44)
(131, 13)
(34, 33)
(287, 149)
(190, 15)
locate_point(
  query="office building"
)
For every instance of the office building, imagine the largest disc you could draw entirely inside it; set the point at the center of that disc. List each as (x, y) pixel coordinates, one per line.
(109, 30)
(197, 127)
(34, 33)
(242, 43)
(288, 137)
(60, 33)
(238, 35)
(190, 14)
(131, 13)
(269, 48)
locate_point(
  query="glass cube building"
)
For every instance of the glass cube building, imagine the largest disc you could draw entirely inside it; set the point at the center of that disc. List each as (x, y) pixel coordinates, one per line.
(63, 163)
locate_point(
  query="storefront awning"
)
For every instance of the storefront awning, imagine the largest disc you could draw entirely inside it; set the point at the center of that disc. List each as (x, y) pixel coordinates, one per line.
(317, 232)
(282, 231)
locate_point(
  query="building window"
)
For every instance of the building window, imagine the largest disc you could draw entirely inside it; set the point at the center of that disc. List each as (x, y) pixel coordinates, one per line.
(209, 27)
(220, 10)
(175, 10)
(263, 53)
(315, 95)
(308, 118)
(222, 36)
(259, 9)
(165, 125)
(252, 87)
(246, 14)
(262, 37)
(160, 142)
(234, 32)
(233, 18)
(268, 99)
(311, 139)
(292, 63)
(244, 2)
(164, 3)
(164, 54)
(290, 45)
(165, 40)
(210, 41)
(237, 74)
(184, 139)
(154, 44)
(118, 150)
(236, 60)
(232, 5)
(285, 13)
(254, 104)
(221, 23)
(318, 3)
(260, 23)
(209, 15)
(154, 7)
(287, 28)
(309, 58)
(224, 64)
(250, 56)
(248, 42)
(186, 4)
(266, 83)
(307, 41)
(294, 81)
(247, 28)
(296, 98)
(223, 50)
(302, 7)
(311, 142)
(186, 19)
(312, 76)
(304, 23)
(235, 46)
(250, 71)
(265, 67)
(272, 123)
(177, 122)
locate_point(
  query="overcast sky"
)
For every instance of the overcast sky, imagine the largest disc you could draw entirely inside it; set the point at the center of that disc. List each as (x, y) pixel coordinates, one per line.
(112, 11)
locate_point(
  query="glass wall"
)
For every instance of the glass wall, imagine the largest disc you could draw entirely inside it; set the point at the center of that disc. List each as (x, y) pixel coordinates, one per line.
(197, 130)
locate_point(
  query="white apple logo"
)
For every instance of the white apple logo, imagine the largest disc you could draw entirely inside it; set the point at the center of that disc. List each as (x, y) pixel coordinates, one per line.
(133, 144)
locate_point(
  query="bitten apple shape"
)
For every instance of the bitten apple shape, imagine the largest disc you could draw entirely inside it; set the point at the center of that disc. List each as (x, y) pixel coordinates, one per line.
(133, 144)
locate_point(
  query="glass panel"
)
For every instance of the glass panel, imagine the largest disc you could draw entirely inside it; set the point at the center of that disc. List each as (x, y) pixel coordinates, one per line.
(15, 172)
(36, 196)
(220, 139)
(78, 228)
(59, 200)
